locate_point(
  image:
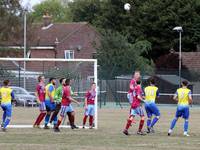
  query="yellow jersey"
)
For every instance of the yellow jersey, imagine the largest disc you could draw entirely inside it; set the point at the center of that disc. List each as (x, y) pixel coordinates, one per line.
(49, 88)
(183, 96)
(6, 95)
(151, 92)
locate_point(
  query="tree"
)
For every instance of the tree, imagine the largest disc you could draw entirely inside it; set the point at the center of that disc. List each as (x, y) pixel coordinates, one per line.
(116, 56)
(10, 26)
(151, 20)
(56, 8)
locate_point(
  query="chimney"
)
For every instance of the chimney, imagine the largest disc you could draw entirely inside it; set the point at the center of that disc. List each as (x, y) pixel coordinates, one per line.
(47, 19)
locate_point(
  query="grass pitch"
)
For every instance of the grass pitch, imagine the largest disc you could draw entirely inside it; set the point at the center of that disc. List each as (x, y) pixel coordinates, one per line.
(108, 137)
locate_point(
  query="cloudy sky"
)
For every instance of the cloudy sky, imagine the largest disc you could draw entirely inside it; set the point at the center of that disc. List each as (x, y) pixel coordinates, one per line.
(30, 3)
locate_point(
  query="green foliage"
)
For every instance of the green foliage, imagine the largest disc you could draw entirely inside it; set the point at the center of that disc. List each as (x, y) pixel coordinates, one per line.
(151, 20)
(58, 9)
(10, 24)
(116, 56)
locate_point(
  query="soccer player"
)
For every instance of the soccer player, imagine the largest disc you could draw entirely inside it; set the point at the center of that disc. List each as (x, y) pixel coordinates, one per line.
(136, 77)
(58, 98)
(40, 94)
(49, 101)
(66, 107)
(151, 93)
(184, 98)
(6, 94)
(89, 105)
(136, 109)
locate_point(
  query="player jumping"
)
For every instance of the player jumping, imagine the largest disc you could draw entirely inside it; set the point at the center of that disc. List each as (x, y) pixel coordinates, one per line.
(6, 94)
(40, 94)
(136, 109)
(89, 105)
(66, 107)
(151, 93)
(184, 98)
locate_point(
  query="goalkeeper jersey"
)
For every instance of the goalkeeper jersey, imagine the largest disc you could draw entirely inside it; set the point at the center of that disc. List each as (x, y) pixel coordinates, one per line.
(58, 94)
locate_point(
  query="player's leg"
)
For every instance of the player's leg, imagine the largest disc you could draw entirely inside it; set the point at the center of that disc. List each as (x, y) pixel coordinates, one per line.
(71, 115)
(156, 112)
(47, 117)
(130, 120)
(140, 112)
(85, 117)
(149, 117)
(4, 116)
(55, 113)
(91, 114)
(8, 116)
(41, 116)
(186, 123)
(173, 123)
(55, 118)
(63, 111)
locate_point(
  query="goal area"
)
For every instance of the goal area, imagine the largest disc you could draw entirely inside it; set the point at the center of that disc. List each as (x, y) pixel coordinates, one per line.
(23, 74)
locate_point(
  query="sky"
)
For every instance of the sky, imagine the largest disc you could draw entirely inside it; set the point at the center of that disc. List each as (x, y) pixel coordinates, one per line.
(30, 3)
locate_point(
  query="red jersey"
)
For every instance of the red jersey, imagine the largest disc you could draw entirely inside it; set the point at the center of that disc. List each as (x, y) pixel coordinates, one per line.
(90, 95)
(132, 82)
(40, 89)
(137, 91)
(65, 96)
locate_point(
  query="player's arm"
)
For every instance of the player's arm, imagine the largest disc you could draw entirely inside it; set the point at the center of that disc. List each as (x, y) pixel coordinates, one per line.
(37, 95)
(85, 103)
(190, 98)
(73, 100)
(175, 96)
(157, 94)
(131, 86)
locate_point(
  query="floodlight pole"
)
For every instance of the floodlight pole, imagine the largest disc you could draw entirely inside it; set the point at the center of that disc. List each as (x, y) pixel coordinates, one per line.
(25, 24)
(179, 29)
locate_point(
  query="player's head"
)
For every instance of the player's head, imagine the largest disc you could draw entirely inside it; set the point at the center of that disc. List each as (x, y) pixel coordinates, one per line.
(62, 81)
(67, 82)
(184, 83)
(41, 79)
(136, 75)
(53, 81)
(152, 81)
(93, 86)
(6, 82)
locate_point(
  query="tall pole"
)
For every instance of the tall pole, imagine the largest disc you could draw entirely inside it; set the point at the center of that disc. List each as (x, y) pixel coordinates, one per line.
(180, 58)
(25, 48)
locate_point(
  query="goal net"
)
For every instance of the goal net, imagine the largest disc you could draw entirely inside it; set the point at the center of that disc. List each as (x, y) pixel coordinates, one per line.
(23, 74)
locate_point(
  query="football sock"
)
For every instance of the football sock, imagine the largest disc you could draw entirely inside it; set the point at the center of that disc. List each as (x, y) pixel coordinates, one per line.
(41, 118)
(38, 118)
(128, 124)
(155, 120)
(58, 123)
(84, 119)
(55, 120)
(148, 122)
(7, 121)
(141, 125)
(186, 126)
(91, 120)
(4, 117)
(55, 113)
(47, 119)
(173, 123)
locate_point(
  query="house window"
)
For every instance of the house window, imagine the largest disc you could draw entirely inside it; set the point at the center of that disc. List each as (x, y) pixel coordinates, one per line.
(69, 54)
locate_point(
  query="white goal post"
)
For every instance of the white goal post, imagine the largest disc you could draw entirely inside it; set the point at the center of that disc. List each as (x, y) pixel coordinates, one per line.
(25, 72)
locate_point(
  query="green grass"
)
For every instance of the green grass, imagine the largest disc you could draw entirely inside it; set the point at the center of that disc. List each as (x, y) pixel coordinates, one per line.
(108, 137)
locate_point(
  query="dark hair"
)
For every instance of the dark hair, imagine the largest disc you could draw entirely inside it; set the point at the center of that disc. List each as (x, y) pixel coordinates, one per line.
(6, 82)
(138, 82)
(61, 80)
(39, 78)
(51, 79)
(152, 81)
(185, 83)
(67, 82)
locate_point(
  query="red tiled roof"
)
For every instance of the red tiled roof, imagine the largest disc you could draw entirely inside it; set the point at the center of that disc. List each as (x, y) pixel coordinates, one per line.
(190, 60)
(47, 37)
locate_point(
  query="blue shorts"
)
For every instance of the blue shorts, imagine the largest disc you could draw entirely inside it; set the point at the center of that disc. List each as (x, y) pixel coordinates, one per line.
(42, 106)
(66, 109)
(49, 105)
(90, 110)
(151, 109)
(7, 108)
(137, 111)
(183, 111)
